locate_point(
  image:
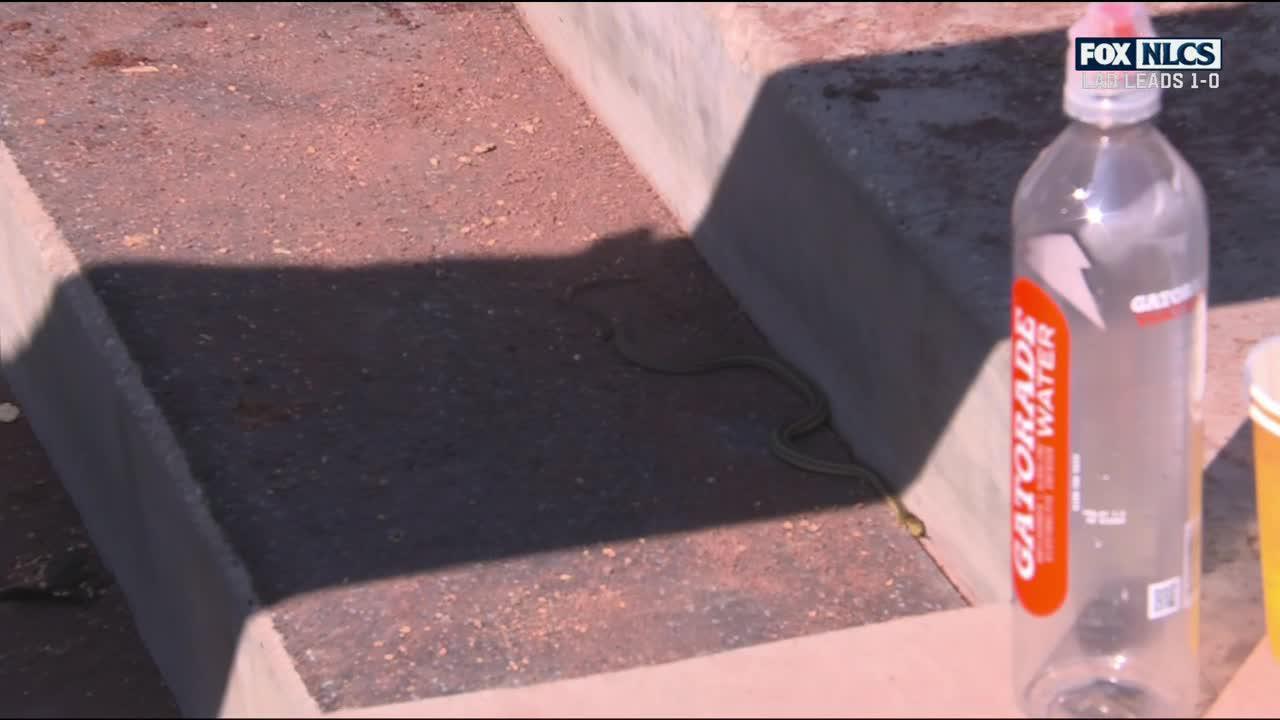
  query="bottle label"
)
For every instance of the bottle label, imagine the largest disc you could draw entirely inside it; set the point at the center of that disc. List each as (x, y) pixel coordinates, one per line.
(1041, 349)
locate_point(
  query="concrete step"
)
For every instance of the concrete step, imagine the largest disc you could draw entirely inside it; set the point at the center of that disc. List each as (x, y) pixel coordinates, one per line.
(847, 171)
(282, 292)
(944, 664)
(1252, 691)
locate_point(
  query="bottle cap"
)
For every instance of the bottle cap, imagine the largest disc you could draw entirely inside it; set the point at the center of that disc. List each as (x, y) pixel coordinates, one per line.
(1107, 98)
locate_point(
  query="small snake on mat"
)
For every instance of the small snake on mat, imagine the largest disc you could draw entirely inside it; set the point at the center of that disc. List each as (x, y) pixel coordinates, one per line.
(782, 441)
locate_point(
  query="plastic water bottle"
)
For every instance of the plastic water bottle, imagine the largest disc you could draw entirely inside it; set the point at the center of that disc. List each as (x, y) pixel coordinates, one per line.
(1110, 234)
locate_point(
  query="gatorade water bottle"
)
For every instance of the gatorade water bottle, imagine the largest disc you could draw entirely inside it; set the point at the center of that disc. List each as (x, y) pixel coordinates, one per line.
(1110, 272)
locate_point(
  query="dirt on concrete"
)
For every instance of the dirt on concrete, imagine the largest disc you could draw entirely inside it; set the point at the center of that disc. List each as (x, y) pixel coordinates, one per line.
(58, 659)
(336, 239)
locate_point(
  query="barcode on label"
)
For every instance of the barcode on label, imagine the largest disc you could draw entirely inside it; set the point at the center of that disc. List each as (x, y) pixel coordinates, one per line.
(1164, 598)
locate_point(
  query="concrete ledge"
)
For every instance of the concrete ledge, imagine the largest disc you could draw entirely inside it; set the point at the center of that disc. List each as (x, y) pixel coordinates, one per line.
(188, 592)
(945, 664)
(1252, 692)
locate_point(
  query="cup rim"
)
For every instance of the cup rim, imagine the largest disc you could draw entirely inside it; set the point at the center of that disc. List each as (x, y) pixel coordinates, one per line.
(1265, 421)
(1257, 394)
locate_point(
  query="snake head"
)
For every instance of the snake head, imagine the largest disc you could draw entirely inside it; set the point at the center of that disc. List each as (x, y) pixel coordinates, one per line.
(914, 525)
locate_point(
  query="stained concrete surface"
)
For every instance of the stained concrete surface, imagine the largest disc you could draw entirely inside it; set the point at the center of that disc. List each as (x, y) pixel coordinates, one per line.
(334, 239)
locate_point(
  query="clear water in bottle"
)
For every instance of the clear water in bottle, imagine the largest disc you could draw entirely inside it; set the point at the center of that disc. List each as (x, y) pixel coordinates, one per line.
(1108, 326)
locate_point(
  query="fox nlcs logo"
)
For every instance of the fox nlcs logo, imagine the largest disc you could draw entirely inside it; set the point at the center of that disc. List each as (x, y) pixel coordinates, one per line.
(1121, 54)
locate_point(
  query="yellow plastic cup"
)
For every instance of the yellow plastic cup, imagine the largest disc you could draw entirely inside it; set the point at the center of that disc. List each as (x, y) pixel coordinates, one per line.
(1262, 371)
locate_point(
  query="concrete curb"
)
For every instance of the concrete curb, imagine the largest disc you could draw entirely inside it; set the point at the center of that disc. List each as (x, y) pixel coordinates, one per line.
(115, 453)
(1251, 692)
(906, 667)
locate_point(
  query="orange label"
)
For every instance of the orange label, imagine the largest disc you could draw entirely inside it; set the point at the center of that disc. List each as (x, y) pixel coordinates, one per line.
(1040, 482)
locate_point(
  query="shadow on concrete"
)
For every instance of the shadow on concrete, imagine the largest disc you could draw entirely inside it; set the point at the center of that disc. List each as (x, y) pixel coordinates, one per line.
(358, 424)
(456, 421)
(391, 420)
(45, 644)
(1230, 505)
(1232, 619)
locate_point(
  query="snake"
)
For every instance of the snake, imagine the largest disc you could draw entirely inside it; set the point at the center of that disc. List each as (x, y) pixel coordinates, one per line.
(782, 441)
